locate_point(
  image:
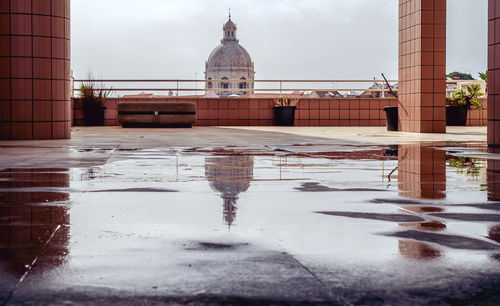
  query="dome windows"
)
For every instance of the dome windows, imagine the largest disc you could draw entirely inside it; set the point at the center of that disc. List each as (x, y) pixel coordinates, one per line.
(225, 85)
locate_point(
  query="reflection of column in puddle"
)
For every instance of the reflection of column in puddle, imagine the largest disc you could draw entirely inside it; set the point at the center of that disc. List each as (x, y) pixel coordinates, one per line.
(417, 250)
(493, 174)
(494, 234)
(421, 250)
(229, 175)
(421, 172)
(430, 224)
(28, 220)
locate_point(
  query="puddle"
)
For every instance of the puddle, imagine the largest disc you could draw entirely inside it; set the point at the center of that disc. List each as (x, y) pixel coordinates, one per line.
(317, 187)
(371, 216)
(469, 217)
(212, 246)
(135, 190)
(451, 241)
(389, 209)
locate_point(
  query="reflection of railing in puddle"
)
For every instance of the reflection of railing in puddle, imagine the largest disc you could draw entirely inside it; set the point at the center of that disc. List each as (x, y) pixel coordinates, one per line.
(29, 219)
(229, 175)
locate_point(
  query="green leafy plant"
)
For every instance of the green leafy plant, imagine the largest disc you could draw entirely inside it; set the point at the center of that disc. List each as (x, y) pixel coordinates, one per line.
(483, 76)
(469, 97)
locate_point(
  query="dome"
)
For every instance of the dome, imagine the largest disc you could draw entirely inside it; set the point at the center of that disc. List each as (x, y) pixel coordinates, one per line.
(229, 61)
(229, 56)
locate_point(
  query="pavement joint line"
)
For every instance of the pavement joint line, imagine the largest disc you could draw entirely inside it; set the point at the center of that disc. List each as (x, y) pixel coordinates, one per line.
(325, 286)
(30, 267)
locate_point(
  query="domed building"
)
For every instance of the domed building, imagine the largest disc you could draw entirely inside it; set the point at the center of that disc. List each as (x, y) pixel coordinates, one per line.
(229, 61)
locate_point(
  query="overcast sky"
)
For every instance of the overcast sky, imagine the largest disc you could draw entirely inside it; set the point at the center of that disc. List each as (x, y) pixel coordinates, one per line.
(287, 39)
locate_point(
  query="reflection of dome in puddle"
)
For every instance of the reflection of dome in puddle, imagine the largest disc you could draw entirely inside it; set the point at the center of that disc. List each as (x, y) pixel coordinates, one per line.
(230, 176)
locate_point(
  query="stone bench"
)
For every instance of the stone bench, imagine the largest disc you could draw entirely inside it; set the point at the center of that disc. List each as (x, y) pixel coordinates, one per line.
(156, 114)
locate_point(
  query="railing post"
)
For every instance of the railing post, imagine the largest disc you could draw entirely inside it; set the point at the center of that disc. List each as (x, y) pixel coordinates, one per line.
(177, 88)
(281, 87)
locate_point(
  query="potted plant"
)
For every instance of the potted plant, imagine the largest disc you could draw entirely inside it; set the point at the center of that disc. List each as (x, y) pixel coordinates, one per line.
(284, 110)
(484, 76)
(93, 100)
(462, 100)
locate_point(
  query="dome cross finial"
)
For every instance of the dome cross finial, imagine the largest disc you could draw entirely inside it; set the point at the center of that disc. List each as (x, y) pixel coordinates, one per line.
(229, 31)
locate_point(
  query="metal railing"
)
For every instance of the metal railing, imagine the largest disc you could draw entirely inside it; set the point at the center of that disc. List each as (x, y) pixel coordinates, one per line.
(266, 86)
(282, 87)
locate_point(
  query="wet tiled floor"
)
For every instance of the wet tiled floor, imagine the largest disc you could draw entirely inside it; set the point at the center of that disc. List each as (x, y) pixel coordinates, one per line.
(316, 221)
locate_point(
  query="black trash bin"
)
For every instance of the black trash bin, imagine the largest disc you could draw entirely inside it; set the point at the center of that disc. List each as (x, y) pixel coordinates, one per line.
(391, 117)
(284, 115)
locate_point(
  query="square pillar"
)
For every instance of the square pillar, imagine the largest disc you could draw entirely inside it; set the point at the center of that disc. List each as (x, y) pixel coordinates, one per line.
(493, 73)
(422, 66)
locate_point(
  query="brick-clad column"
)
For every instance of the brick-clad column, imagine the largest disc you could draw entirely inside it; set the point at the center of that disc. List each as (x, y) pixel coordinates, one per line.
(493, 175)
(421, 172)
(494, 73)
(35, 69)
(422, 66)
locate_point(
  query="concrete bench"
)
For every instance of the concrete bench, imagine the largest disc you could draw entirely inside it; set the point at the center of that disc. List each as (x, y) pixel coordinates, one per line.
(156, 114)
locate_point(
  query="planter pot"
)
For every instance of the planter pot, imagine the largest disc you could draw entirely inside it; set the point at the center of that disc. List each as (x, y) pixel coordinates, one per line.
(456, 115)
(391, 117)
(284, 115)
(94, 114)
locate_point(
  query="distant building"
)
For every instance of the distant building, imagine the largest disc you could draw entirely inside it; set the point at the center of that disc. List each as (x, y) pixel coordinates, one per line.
(229, 61)
(379, 94)
(325, 94)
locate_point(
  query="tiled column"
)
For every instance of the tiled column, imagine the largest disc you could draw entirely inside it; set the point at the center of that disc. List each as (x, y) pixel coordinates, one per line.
(494, 73)
(493, 174)
(35, 69)
(421, 172)
(422, 66)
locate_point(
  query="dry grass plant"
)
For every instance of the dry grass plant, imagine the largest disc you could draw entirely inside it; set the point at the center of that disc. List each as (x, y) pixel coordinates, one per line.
(94, 93)
(286, 101)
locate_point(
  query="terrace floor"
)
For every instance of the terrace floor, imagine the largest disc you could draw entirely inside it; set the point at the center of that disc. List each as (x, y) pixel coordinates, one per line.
(264, 215)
